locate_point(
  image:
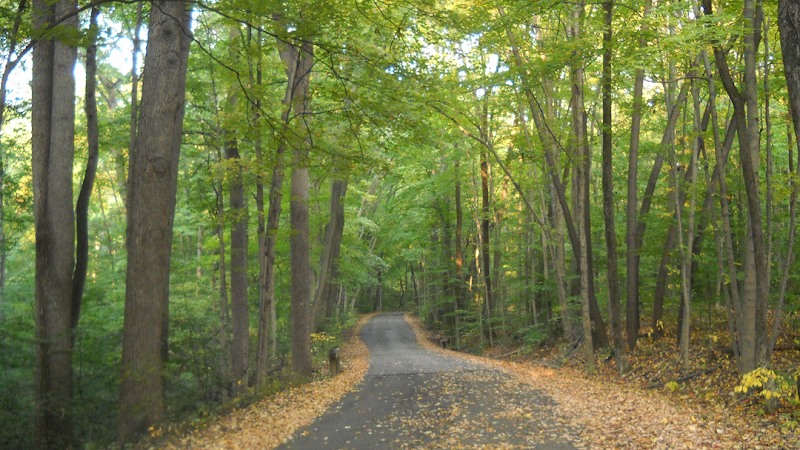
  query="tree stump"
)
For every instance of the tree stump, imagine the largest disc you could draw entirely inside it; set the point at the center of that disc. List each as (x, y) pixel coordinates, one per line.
(333, 361)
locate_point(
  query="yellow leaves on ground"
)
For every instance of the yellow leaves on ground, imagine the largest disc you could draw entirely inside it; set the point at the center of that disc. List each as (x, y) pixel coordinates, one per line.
(272, 421)
(619, 416)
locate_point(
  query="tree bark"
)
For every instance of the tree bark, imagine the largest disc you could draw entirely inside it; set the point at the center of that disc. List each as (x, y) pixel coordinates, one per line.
(789, 27)
(330, 251)
(240, 310)
(621, 357)
(459, 286)
(754, 302)
(301, 278)
(152, 185)
(632, 220)
(52, 142)
(82, 206)
(330, 296)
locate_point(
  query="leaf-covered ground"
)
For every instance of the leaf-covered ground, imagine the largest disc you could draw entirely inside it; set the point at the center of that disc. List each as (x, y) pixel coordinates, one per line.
(647, 408)
(270, 422)
(598, 410)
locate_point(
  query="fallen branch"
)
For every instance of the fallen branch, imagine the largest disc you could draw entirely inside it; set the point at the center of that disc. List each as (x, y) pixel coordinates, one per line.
(514, 352)
(685, 378)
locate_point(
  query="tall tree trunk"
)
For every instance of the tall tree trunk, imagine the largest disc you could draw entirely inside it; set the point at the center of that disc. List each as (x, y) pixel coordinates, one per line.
(687, 254)
(53, 136)
(82, 206)
(224, 347)
(789, 27)
(459, 286)
(330, 295)
(152, 185)
(301, 307)
(240, 310)
(485, 218)
(582, 165)
(330, 251)
(621, 358)
(755, 298)
(632, 251)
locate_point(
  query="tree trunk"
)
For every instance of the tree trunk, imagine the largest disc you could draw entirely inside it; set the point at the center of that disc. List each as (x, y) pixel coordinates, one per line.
(53, 136)
(582, 166)
(330, 251)
(459, 286)
(789, 27)
(686, 253)
(632, 251)
(82, 206)
(755, 298)
(608, 199)
(331, 288)
(240, 310)
(152, 184)
(224, 348)
(301, 307)
(485, 215)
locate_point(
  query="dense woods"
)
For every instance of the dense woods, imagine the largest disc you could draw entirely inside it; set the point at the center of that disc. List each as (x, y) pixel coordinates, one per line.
(198, 197)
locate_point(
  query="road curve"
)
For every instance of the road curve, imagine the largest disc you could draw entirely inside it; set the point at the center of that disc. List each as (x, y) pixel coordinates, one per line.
(414, 398)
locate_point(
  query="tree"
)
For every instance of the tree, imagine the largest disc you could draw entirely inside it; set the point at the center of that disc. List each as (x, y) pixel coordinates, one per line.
(152, 185)
(298, 216)
(608, 197)
(53, 137)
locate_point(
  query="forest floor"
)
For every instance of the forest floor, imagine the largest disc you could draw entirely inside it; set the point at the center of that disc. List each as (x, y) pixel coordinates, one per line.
(658, 400)
(608, 411)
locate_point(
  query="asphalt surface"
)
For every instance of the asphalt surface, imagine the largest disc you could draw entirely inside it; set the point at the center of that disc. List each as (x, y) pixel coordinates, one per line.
(414, 398)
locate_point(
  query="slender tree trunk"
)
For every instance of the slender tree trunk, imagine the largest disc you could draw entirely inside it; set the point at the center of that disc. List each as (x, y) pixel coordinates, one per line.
(582, 166)
(52, 142)
(631, 252)
(755, 298)
(152, 184)
(686, 281)
(82, 206)
(224, 347)
(330, 251)
(240, 310)
(789, 27)
(459, 287)
(331, 288)
(608, 199)
(485, 214)
(768, 133)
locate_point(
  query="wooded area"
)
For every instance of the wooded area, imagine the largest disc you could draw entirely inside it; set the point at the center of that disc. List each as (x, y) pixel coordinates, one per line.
(237, 179)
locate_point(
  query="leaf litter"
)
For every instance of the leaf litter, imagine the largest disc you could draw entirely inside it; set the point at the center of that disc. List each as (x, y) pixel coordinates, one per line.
(612, 415)
(585, 411)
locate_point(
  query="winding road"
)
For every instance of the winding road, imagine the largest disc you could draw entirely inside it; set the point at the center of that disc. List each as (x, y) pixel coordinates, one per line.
(415, 398)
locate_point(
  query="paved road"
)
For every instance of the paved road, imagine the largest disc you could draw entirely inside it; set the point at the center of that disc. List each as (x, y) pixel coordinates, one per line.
(414, 398)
